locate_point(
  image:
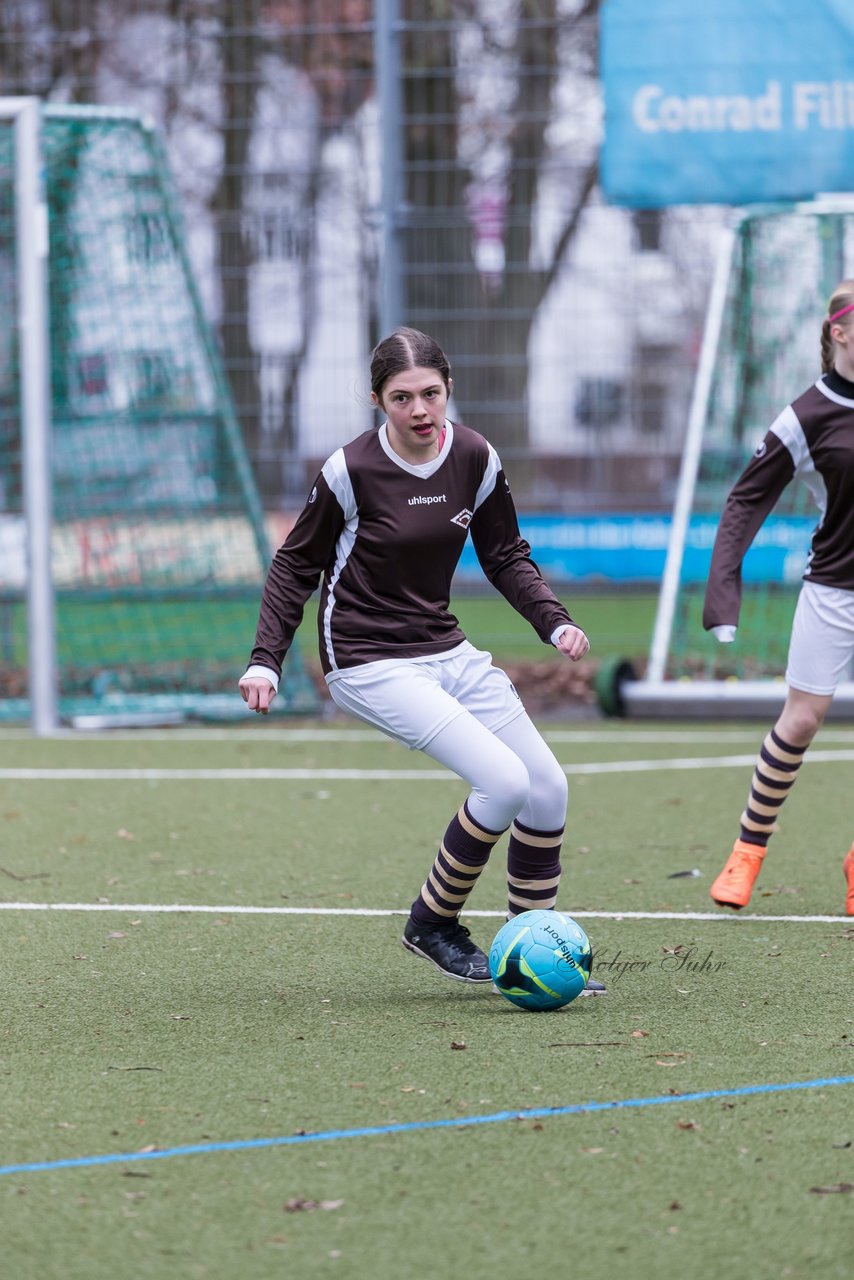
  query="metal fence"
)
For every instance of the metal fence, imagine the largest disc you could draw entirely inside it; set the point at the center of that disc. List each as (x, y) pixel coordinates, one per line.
(343, 164)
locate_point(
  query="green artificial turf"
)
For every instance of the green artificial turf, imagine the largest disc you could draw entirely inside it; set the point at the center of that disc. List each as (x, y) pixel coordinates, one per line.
(125, 1030)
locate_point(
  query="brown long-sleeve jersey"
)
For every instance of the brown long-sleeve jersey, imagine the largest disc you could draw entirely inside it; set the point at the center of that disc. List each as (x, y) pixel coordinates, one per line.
(813, 438)
(385, 537)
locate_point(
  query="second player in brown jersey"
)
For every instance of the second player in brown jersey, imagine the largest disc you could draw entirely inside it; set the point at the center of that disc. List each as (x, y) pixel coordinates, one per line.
(813, 438)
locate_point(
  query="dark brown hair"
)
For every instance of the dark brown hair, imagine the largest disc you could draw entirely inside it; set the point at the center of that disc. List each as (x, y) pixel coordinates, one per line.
(407, 349)
(842, 297)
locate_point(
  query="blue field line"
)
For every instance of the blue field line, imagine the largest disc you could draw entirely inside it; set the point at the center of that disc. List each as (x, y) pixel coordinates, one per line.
(414, 1126)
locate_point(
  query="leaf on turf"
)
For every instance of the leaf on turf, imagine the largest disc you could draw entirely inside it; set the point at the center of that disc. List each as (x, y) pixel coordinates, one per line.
(834, 1189)
(299, 1204)
(687, 1124)
(458, 1044)
(638, 1035)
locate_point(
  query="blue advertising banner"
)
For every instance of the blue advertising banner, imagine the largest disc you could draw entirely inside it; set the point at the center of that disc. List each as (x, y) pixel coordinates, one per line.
(729, 102)
(632, 549)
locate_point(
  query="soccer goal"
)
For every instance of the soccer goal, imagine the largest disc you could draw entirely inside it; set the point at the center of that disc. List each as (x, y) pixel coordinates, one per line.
(132, 540)
(760, 349)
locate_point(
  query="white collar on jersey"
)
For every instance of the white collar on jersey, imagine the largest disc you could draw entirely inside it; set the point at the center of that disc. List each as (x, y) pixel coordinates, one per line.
(825, 390)
(424, 469)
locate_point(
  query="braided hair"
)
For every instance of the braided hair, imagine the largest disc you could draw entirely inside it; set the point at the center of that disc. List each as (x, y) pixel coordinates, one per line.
(841, 300)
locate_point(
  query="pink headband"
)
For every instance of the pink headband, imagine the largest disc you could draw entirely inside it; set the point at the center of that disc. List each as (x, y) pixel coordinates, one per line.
(843, 312)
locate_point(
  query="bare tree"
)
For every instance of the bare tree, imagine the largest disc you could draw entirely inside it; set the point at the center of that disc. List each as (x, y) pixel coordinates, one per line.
(330, 42)
(521, 49)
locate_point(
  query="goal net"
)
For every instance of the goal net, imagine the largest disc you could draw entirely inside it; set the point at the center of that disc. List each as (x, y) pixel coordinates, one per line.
(157, 547)
(761, 349)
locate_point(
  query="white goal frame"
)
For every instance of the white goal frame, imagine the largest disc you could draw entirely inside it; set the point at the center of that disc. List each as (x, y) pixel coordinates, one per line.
(653, 695)
(31, 253)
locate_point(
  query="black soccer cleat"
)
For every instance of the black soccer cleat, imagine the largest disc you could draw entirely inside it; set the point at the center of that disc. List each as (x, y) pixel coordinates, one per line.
(594, 988)
(450, 948)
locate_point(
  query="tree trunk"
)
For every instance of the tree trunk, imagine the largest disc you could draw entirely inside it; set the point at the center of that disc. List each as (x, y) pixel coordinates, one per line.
(483, 322)
(240, 47)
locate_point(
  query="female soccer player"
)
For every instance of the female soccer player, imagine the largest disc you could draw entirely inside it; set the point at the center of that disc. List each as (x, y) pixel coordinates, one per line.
(384, 527)
(813, 438)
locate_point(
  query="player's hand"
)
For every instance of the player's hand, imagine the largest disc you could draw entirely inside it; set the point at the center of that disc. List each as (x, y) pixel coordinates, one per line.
(573, 643)
(724, 633)
(257, 693)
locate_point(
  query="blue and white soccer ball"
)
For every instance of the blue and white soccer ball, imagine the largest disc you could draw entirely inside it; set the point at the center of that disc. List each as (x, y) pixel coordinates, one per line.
(540, 960)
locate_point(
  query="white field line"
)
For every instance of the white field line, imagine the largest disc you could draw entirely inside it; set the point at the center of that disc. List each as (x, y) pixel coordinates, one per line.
(177, 908)
(385, 775)
(697, 735)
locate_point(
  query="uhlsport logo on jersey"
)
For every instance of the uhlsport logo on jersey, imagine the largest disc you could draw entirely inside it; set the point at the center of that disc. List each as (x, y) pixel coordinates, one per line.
(462, 518)
(428, 500)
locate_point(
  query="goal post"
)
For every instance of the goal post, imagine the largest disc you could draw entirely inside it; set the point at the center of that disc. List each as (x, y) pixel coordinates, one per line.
(23, 117)
(133, 545)
(760, 349)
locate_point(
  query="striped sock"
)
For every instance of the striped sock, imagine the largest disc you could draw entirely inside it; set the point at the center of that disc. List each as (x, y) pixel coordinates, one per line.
(533, 869)
(463, 854)
(773, 778)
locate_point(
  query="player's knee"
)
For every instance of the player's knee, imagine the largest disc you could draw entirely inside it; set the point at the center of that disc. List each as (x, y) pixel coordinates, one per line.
(801, 719)
(553, 790)
(546, 809)
(512, 786)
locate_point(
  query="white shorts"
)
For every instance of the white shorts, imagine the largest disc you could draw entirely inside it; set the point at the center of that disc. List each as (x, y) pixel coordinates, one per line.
(822, 644)
(412, 699)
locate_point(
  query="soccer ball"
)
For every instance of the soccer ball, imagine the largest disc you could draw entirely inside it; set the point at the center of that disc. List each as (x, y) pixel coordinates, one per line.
(540, 960)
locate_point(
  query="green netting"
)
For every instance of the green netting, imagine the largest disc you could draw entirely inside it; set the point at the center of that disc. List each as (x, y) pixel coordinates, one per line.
(785, 267)
(159, 548)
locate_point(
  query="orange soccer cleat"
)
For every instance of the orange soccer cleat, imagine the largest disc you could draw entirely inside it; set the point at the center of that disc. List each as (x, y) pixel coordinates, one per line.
(848, 869)
(735, 883)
